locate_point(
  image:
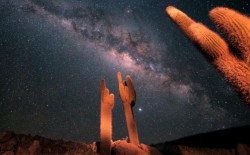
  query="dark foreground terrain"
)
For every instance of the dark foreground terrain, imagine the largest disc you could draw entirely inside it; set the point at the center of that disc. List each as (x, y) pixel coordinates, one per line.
(234, 141)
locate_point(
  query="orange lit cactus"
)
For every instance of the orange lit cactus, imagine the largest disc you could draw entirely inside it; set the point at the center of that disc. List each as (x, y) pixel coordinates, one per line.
(128, 97)
(107, 104)
(180, 18)
(237, 26)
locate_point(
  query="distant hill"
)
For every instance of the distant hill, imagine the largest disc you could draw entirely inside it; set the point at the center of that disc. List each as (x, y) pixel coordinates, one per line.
(230, 141)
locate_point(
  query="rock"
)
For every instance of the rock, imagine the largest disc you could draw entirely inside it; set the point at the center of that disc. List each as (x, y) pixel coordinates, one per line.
(125, 148)
(19, 144)
(243, 149)
(5, 136)
(34, 148)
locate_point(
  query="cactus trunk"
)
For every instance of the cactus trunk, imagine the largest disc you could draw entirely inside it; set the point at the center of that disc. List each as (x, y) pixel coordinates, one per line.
(131, 125)
(106, 129)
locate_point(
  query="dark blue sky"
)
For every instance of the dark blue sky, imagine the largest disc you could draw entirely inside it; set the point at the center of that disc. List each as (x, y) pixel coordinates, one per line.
(53, 55)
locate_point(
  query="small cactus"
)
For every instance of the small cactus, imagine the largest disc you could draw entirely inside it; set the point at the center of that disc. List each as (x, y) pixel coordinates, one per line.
(107, 104)
(235, 70)
(128, 97)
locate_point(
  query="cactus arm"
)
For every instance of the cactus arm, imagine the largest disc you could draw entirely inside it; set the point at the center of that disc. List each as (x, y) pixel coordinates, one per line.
(234, 70)
(122, 89)
(131, 90)
(236, 26)
(181, 19)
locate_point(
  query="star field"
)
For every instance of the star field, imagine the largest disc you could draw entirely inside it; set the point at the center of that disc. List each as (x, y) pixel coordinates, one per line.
(53, 55)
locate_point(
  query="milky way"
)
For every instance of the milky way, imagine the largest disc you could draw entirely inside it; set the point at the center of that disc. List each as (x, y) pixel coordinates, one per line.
(78, 43)
(128, 44)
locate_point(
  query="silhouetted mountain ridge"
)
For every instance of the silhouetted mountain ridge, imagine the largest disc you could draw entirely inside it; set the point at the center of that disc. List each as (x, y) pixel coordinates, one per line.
(226, 138)
(234, 140)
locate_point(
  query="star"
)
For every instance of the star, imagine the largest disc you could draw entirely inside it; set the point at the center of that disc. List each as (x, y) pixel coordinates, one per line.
(140, 109)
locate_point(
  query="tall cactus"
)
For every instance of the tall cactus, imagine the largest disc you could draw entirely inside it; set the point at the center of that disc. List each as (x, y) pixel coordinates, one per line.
(237, 26)
(107, 104)
(128, 97)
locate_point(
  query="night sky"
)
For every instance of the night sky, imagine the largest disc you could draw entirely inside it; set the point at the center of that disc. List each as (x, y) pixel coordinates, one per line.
(54, 53)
